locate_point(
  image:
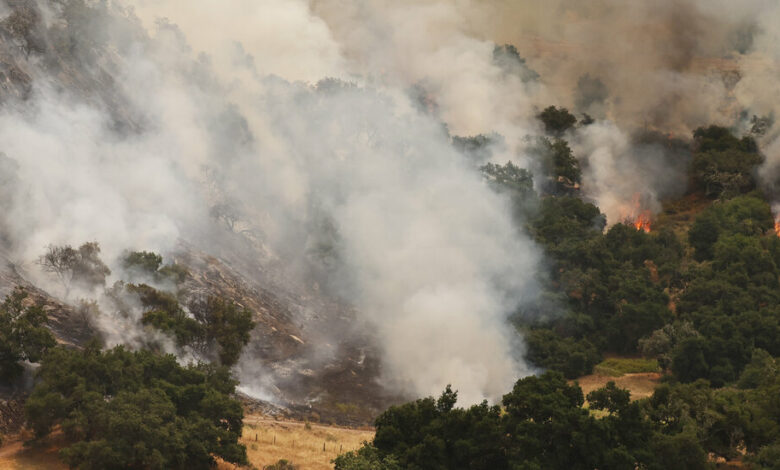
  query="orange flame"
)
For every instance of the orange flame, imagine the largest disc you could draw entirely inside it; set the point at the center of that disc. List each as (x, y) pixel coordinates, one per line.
(642, 222)
(777, 226)
(636, 216)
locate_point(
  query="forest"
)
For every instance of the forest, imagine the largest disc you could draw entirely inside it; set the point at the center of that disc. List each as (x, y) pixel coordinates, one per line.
(698, 295)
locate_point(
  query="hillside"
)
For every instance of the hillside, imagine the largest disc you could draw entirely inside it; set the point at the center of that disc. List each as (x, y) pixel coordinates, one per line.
(389, 235)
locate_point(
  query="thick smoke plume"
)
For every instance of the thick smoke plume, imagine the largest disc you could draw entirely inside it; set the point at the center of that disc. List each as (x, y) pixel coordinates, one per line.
(349, 177)
(320, 131)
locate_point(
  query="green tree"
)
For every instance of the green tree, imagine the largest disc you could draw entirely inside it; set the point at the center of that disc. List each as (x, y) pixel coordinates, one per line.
(23, 334)
(226, 325)
(557, 120)
(723, 165)
(137, 410)
(147, 264)
(509, 177)
(80, 267)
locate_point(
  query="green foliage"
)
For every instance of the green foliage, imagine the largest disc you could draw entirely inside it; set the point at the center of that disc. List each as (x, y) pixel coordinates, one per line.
(518, 181)
(731, 299)
(367, 457)
(146, 264)
(570, 356)
(745, 215)
(23, 336)
(723, 165)
(164, 313)
(615, 280)
(213, 325)
(663, 341)
(557, 163)
(768, 458)
(227, 325)
(726, 422)
(543, 425)
(121, 409)
(557, 120)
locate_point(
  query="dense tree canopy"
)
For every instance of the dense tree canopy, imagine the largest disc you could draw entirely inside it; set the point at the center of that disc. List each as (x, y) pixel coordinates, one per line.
(136, 410)
(724, 164)
(542, 424)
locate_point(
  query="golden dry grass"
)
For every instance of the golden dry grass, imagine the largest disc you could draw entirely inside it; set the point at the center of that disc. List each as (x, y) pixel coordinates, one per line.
(641, 385)
(296, 442)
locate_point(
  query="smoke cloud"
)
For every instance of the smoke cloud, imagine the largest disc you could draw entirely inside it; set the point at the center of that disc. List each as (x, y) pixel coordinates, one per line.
(320, 132)
(350, 178)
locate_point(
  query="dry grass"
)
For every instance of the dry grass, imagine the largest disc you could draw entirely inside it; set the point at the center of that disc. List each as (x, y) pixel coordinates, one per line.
(619, 366)
(640, 385)
(297, 442)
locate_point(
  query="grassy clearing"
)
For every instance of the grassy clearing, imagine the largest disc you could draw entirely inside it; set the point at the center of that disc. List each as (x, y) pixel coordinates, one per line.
(267, 441)
(616, 367)
(640, 385)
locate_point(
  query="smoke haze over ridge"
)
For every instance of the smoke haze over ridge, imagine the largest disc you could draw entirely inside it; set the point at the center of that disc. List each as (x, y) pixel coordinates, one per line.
(204, 102)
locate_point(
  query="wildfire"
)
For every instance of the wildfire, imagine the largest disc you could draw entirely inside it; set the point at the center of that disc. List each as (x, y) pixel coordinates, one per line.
(636, 216)
(642, 221)
(777, 226)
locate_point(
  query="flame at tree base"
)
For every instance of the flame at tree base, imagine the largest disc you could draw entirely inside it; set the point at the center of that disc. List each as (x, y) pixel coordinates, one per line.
(635, 216)
(642, 222)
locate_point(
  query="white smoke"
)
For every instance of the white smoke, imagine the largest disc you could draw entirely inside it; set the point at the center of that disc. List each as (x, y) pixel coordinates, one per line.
(425, 250)
(199, 102)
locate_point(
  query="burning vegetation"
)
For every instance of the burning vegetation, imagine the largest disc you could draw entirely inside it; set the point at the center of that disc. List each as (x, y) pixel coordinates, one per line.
(636, 215)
